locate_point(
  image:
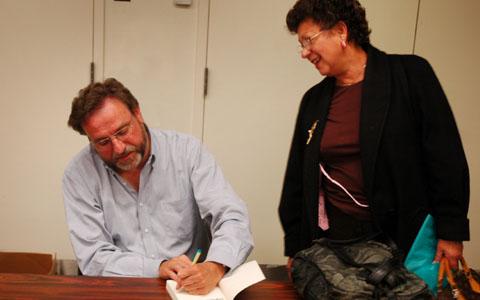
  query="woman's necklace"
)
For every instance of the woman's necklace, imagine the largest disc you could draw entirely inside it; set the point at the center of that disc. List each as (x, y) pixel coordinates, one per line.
(359, 74)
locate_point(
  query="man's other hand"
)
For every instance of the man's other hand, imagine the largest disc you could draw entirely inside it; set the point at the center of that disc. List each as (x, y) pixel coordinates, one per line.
(200, 278)
(169, 268)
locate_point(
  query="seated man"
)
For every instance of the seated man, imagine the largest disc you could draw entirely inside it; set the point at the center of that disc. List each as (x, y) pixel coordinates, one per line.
(140, 201)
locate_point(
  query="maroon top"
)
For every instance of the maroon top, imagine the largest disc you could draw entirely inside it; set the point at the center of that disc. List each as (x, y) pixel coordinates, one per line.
(340, 152)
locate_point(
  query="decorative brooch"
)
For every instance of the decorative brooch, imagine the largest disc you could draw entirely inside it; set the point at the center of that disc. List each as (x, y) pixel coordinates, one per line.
(310, 132)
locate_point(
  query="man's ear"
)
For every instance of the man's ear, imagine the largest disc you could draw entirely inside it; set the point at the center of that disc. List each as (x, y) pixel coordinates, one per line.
(138, 114)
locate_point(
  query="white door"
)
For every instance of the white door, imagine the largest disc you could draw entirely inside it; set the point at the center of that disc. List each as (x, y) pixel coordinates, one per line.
(151, 46)
(256, 81)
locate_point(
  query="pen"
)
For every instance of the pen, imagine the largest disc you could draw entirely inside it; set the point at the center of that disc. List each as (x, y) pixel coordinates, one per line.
(197, 256)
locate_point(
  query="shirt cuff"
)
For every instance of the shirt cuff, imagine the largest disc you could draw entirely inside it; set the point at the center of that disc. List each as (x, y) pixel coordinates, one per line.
(150, 267)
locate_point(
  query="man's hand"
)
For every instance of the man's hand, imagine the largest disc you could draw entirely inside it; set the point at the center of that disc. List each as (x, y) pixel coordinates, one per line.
(200, 278)
(169, 268)
(452, 250)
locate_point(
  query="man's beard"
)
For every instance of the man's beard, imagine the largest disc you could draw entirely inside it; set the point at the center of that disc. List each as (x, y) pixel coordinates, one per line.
(130, 163)
(134, 161)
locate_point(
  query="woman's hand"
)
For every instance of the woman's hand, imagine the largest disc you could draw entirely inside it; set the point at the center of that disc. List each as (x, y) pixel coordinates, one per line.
(289, 266)
(452, 250)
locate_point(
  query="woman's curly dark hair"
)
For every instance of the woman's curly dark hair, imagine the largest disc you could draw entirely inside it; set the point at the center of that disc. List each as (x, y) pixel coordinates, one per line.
(329, 13)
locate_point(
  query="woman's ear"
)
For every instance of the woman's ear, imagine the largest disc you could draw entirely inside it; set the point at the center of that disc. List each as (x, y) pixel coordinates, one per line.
(341, 29)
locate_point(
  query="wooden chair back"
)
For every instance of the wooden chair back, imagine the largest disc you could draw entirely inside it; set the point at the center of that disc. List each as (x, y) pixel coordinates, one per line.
(27, 263)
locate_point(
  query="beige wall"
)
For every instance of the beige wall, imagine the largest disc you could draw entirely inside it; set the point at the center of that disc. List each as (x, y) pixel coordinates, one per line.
(44, 58)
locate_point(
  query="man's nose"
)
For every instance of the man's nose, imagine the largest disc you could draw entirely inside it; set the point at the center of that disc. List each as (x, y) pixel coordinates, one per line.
(118, 146)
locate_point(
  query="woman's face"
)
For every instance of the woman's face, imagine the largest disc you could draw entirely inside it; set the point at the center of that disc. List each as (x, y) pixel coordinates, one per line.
(325, 51)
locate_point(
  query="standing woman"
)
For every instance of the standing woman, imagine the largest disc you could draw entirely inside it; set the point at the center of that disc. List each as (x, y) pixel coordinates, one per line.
(375, 145)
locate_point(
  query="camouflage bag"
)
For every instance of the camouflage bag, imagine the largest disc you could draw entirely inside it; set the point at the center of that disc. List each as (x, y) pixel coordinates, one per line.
(355, 269)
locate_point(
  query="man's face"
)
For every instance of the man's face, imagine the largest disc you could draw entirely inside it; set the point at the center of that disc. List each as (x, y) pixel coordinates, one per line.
(118, 136)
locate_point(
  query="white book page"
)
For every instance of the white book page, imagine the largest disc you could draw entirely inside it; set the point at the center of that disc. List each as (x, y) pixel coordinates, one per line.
(181, 294)
(242, 277)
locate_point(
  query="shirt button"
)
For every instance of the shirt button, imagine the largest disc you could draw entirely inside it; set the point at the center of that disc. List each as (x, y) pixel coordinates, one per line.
(152, 256)
(146, 230)
(141, 203)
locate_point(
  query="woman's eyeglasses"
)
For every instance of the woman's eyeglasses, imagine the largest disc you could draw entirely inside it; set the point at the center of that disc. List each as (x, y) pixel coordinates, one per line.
(307, 43)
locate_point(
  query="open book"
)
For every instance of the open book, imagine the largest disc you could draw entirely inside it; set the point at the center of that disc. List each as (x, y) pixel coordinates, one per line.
(240, 278)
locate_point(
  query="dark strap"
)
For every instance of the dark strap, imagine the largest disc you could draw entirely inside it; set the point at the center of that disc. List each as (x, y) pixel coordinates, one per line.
(383, 272)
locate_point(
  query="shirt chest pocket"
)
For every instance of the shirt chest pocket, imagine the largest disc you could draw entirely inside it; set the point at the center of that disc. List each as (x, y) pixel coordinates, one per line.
(179, 217)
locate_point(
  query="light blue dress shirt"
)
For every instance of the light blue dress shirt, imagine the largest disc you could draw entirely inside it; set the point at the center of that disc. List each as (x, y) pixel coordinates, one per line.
(183, 197)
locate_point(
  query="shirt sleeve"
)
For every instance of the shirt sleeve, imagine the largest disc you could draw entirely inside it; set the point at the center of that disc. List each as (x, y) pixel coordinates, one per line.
(220, 206)
(93, 244)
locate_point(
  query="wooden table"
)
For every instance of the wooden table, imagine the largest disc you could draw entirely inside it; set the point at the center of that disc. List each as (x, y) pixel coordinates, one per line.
(24, 286)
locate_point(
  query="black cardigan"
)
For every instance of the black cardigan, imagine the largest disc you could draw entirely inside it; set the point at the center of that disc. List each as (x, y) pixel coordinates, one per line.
(412, 156)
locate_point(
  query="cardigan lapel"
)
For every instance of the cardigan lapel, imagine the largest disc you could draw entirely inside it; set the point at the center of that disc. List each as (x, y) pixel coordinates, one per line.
(318, 115)
(374, 109)
(317, 112)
